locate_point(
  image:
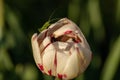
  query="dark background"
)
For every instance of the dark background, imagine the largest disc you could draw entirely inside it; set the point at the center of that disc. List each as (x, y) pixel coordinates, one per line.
(99, 21)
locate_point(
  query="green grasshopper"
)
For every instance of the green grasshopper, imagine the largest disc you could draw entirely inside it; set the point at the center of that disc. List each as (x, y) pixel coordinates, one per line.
(48, 23)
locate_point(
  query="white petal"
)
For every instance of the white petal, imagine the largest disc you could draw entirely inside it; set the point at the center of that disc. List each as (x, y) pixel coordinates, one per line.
(72, 67)
(63, 29)
(45, 42)
(35, 47)
(48, 59)
(86, 55)
(65, 59)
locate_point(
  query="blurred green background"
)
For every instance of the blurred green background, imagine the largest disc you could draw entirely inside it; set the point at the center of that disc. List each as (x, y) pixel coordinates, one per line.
(99, 20)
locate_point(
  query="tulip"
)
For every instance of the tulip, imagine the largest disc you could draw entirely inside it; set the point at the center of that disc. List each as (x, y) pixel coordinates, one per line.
(61, 50)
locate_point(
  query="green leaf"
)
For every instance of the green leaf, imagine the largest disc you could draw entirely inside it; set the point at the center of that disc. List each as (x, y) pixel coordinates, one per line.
(112, 62)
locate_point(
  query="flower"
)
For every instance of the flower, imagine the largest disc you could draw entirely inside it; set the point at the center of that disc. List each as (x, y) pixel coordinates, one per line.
(61, 50)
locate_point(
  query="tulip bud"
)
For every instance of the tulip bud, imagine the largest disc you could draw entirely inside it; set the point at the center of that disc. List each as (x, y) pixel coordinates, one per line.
(61, 50)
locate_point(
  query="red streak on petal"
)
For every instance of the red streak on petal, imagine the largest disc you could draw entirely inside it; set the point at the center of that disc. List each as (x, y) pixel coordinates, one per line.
(45, 47)
(64, 75)
(77, 40)
(60, 76)
(46, 33)
(40, 67)
(70, 52)
(50, 72)
(55, 60)
(68, 32)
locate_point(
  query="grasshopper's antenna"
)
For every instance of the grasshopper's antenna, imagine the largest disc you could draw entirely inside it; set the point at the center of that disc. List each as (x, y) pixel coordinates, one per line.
(52, 15)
